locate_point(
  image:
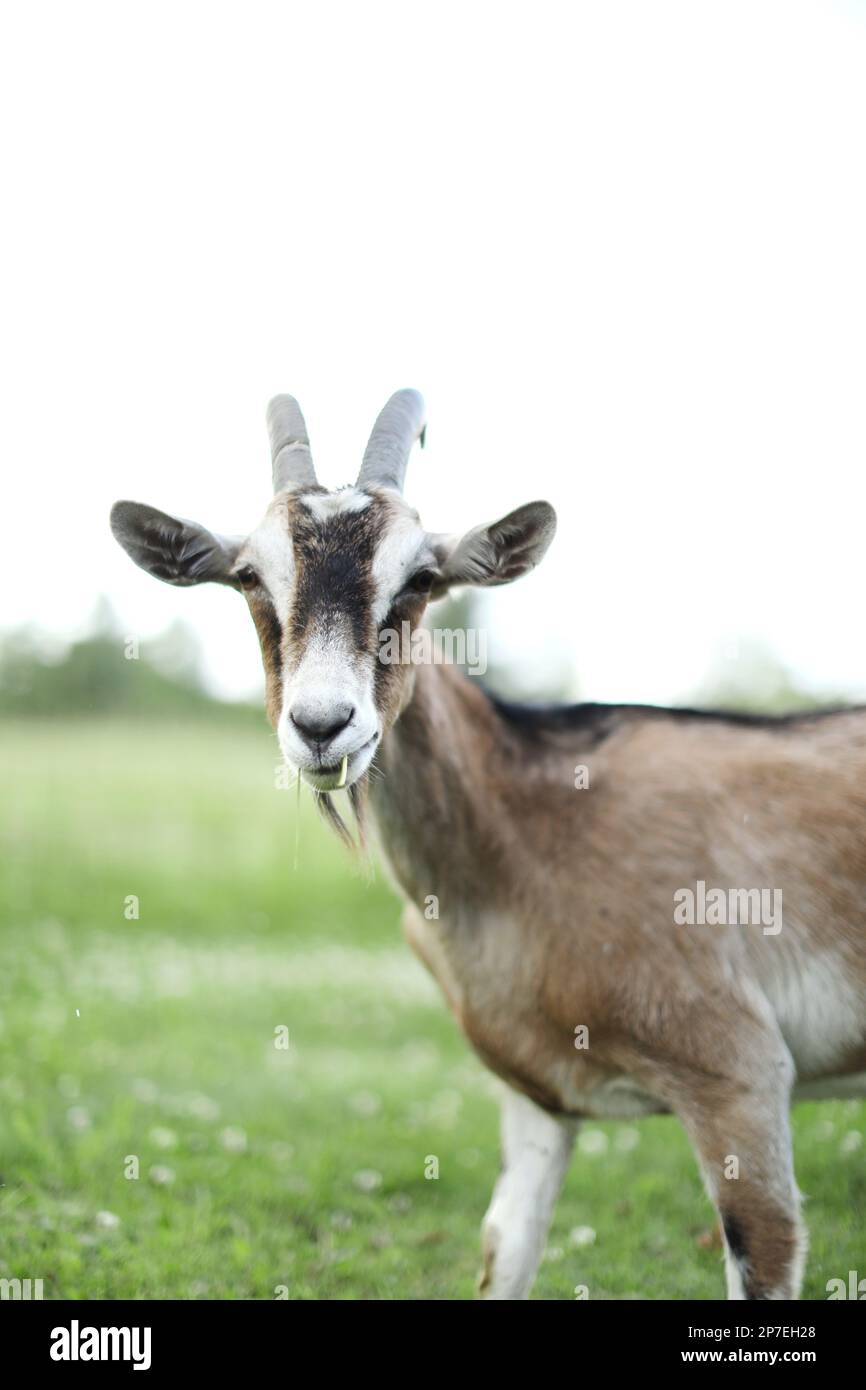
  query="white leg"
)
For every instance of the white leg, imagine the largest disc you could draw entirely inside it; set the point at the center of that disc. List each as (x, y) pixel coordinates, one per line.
(536, 1148)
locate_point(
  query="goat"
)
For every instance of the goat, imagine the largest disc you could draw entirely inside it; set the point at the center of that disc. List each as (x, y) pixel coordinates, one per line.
(563, 943)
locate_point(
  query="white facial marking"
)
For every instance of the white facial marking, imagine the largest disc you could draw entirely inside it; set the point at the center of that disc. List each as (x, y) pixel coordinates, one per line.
(403, 547)
(268, 549)
(324, 505)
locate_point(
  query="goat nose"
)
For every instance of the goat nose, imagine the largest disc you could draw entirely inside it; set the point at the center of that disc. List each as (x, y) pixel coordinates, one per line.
(319, 728)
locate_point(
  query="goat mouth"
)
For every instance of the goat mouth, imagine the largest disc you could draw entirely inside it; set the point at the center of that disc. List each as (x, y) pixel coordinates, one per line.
(339, 770)
(332, 777)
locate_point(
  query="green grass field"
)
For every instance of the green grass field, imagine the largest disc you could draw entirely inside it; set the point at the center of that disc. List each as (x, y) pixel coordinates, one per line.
(150, 1042)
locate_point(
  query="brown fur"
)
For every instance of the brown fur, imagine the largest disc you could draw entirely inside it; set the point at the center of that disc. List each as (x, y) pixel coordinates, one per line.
(590, 875)
(556, 910)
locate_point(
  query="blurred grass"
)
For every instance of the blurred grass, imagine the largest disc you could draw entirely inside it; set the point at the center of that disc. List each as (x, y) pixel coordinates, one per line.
(262, 1167)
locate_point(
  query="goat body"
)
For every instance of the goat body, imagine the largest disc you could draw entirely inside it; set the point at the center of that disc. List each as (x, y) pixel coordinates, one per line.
(557, 948)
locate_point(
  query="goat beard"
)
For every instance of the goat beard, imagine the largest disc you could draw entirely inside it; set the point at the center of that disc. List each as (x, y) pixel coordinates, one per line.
(358, 798)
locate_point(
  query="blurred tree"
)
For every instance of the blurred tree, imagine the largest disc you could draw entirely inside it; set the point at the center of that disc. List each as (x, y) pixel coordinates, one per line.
(749, 677)
(177, 654)
(107, 673)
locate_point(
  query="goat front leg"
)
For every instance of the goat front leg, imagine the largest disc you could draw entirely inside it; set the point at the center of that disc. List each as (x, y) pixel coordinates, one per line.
(536, 1148)
(741, 1134)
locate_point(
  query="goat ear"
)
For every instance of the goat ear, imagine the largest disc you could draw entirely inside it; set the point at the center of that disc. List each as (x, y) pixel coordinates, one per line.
(176, 551)
(505, 550)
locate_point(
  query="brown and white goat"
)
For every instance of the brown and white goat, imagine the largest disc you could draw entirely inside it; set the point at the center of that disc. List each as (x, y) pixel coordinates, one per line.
(563, 942)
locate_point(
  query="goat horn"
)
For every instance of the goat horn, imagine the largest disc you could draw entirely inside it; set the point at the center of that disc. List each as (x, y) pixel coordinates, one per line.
(290, 446)
(399, 424)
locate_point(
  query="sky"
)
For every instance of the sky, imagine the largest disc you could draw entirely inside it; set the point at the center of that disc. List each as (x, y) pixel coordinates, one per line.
(619, 247)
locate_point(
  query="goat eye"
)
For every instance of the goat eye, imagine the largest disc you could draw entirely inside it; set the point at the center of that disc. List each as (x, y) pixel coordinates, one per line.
(421, 582)
(247, 577)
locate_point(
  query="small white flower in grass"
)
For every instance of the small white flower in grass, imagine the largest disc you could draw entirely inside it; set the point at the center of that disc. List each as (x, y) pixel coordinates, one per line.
(367, 1180)
(203, 1108)
(365, 1104)
(107, 1220)
(199, 1289)
(162, 1176)
(593, 1142)
(400, 1203)
(826, 1129)
(626, 1140)
(852, 1142)
(341, 1221)
(78, 1117)
(145, 1091)
(163, 1138)
(581, 1236)
(553, 1254)
(233, 1140)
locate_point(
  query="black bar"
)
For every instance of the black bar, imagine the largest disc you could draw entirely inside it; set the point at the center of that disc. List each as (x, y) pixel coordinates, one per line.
(231, 1338)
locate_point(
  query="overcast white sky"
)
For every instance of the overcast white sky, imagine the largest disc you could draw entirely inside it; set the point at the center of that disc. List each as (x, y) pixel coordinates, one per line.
(618, 246)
